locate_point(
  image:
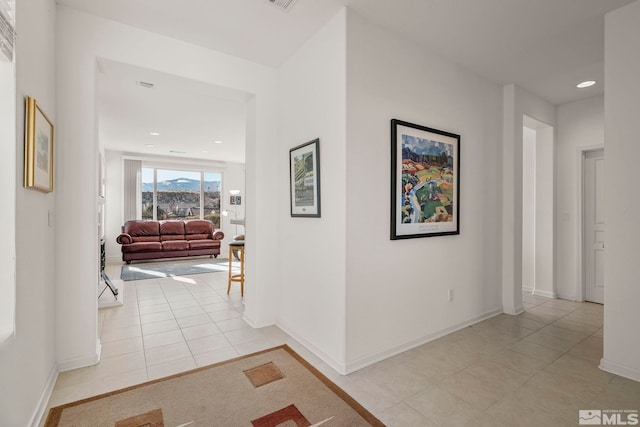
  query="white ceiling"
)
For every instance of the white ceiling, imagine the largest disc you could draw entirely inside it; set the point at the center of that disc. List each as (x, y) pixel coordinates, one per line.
(188, 115)
(544, 46)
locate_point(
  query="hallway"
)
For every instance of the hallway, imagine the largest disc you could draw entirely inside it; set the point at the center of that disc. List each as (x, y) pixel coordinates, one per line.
(538, 368)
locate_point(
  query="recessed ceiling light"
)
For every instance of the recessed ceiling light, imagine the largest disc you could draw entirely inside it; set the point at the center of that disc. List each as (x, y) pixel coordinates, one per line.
(217, 142)
(149, 145)
(587, 83)
(154, 134)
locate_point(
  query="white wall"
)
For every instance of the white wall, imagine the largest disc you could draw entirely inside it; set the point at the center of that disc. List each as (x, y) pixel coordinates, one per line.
(83, 38)
(622, 127)
(516, 104)
(8, 189)
(528, 209)
(311, 251)
(113, 204)
(545, 211)
(27, 360)
(397, 290)
(580, 127)
(232, 177)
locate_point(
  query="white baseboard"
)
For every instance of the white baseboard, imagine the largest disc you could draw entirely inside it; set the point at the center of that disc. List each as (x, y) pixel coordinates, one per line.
(255, 324)
(534, 291)
(374, 358)
(334, 364)
(514, 311)
(81, 362)
(250, 321)
(618, 369)
(40, 412)
(546, 294)
(569, 297)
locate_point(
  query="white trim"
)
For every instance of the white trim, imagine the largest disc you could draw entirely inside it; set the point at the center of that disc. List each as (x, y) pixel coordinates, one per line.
(527, 289)
(255, 324)
(513, 311)
(568, 297)
(81, 362)
(374, 358)
(334, 364)
(618, 369)
(581, 292)
(546, 294)
(41, 408)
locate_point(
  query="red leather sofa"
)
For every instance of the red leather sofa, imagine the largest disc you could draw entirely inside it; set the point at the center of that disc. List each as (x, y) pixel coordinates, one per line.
(169, 239)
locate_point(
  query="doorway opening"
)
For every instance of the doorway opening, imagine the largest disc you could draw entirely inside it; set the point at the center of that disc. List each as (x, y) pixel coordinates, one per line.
(593, 226)
(538, 225)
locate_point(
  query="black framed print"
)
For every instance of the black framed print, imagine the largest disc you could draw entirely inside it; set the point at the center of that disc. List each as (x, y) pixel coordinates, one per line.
(425, 181)
(304, 167)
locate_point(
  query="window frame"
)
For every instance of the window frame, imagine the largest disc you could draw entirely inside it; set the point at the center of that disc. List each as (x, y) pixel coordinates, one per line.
(180, 168)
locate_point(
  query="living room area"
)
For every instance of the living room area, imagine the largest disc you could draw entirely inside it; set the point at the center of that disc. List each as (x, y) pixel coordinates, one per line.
(171, 153)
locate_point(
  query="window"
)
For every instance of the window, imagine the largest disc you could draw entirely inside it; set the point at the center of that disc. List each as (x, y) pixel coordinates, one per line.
(180, 194)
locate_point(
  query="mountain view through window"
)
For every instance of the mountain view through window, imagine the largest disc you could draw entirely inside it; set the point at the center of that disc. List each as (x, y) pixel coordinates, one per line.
(181, 195)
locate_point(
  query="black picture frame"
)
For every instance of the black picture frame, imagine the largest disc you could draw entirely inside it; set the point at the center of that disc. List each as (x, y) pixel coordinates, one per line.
(425, 181)
(304, 179)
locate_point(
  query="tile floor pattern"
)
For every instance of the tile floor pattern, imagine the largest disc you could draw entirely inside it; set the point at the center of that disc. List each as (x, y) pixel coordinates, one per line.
(535, 369)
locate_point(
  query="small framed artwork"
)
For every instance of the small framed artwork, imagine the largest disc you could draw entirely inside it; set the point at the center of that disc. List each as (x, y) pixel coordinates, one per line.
(304, 168)
(425, 181)
(38, 148)
(235, 200)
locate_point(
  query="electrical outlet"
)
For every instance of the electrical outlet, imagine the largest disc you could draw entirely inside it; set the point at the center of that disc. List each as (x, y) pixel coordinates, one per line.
(450, 294)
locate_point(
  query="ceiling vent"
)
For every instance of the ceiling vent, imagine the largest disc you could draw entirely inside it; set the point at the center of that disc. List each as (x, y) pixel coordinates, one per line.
(282, 4)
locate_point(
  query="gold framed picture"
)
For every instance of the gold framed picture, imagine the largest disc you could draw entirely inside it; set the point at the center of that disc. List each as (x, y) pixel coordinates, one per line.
(38, 148)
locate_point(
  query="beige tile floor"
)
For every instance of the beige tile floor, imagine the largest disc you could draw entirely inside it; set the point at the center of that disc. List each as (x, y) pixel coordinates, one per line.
(535, 369)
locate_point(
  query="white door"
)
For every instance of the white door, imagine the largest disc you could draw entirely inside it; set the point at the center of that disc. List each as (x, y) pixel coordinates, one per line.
(593, 217)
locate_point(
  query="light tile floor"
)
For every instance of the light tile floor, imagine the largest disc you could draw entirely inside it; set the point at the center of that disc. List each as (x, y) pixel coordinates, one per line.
(535, 369)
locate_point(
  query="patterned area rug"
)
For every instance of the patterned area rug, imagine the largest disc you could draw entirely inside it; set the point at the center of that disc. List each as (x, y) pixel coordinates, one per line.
(275, 387)
(169, 268)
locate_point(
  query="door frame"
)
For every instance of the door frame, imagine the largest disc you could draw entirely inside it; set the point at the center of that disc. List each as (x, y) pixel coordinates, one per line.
(581, 291)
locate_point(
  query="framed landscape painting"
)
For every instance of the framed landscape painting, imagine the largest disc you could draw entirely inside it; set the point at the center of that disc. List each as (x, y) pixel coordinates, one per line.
(425, 181)
(38, 148)
(304, 168)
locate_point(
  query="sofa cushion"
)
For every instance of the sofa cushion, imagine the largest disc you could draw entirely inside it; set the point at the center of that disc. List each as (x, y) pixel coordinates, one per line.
(175, 245)
(141, 239)
(198, 236)
(204, 244)
(167, 237)
(142, 247)
(172, 228)
(142, 228)
(198, 226)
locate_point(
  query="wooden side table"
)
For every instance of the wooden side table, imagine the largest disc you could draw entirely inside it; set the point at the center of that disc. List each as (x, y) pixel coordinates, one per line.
(237, 247)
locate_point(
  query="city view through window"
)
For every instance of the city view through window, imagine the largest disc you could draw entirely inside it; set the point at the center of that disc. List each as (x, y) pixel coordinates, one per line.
(181, 195)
